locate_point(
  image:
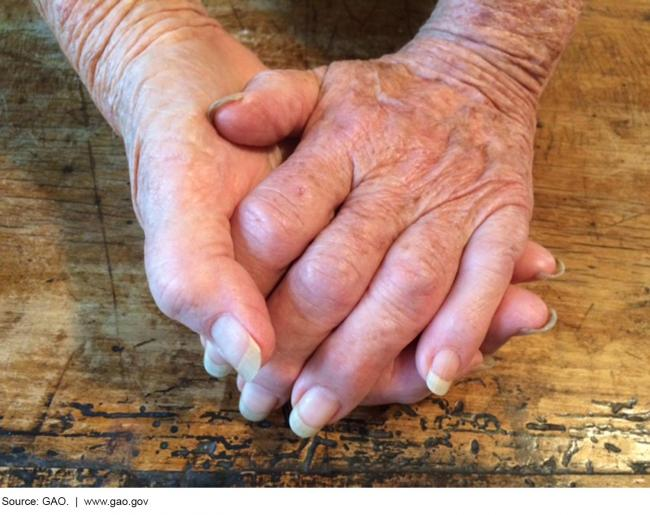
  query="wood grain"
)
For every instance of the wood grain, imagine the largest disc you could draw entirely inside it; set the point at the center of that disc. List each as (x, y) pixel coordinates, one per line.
(98, 388)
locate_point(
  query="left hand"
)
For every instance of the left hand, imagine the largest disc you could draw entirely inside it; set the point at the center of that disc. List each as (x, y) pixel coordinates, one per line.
(411, 191)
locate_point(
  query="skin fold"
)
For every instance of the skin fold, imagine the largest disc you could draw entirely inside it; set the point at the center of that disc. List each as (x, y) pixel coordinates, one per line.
(382, 250)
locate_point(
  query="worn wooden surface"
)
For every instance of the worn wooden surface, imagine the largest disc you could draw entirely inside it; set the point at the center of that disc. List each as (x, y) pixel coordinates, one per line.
(98, 388)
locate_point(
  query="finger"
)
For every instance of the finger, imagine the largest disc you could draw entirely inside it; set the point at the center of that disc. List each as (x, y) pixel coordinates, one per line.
(319, 291)
(276, 222)
(401, 382)
(189, 256)
(333, 290)
(274, 105)
(462, 322)
(520, 312)
(536, 263)
(213, 361)
(411, 283)
(195, 280)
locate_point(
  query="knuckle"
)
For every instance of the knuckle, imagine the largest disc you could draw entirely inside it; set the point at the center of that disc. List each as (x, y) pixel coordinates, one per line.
(264, 77)
(507, 236)
(410, 284)
(169, 292)
(506, 252)
(327, 282)
(175, 287)
(519, 195)
(267, 223)
(416, 276)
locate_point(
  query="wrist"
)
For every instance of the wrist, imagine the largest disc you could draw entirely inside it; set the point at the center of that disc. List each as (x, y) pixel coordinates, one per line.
(518, 39)
(109, 43)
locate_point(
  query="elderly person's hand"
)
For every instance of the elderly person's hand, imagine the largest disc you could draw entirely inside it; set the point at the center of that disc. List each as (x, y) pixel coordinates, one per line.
(153, 68)
(410, 191)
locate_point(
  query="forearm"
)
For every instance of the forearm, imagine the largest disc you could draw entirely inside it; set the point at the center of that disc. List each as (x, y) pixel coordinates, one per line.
(102, 39)
(524, 38)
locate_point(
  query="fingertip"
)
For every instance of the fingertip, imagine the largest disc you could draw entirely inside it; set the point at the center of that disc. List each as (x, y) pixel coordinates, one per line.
(214, 368)
(445, 366)
(475, 362)
(558, 271)
(315, 408)
(536, 263)
(256, 402)
(526, 309)
(249, 122)
(275, 104)
(519, 313)
(550, 324)
(237, 346)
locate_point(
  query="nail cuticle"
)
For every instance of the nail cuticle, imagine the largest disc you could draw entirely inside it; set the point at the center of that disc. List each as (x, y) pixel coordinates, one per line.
(548, 326)
(214, 106)
(560, 269)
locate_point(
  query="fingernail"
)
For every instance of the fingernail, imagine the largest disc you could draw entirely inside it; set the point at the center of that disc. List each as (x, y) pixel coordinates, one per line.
(237, 346)
(444, 368)
(256, 402)
(550, 324)
(214, 364)
(315, 409)
(559, 271)
(215, 369)
(214, 106)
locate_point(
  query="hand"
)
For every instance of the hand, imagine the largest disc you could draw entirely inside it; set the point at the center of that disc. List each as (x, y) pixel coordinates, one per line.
(413, 179)
(154, 86)
(183, 173)
(520, 313)
(187, 181)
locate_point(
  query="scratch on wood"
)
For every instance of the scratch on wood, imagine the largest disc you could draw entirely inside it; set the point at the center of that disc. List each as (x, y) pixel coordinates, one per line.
(544, 426)
(570, 452)
(584, 317)
(87, 410)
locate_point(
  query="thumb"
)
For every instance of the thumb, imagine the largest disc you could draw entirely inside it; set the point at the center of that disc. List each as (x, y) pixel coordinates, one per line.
(196, 281)
(274, 105)
(187, 195)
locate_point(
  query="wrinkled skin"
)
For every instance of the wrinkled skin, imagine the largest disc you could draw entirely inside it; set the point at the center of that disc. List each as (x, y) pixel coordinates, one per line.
(153, 68)
(188, 181)
(404, 210)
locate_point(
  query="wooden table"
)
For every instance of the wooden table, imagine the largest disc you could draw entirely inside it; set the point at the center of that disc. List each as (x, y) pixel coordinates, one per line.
(98, 388)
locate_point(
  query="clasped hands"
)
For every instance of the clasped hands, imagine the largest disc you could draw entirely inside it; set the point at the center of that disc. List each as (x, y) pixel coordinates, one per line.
(377, 261)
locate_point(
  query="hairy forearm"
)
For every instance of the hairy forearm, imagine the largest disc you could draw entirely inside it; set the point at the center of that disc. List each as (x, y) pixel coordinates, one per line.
(522, 38)
(103, 38)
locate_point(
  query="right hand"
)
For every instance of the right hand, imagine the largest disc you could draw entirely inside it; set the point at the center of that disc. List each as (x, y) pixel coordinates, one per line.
(297, 203)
